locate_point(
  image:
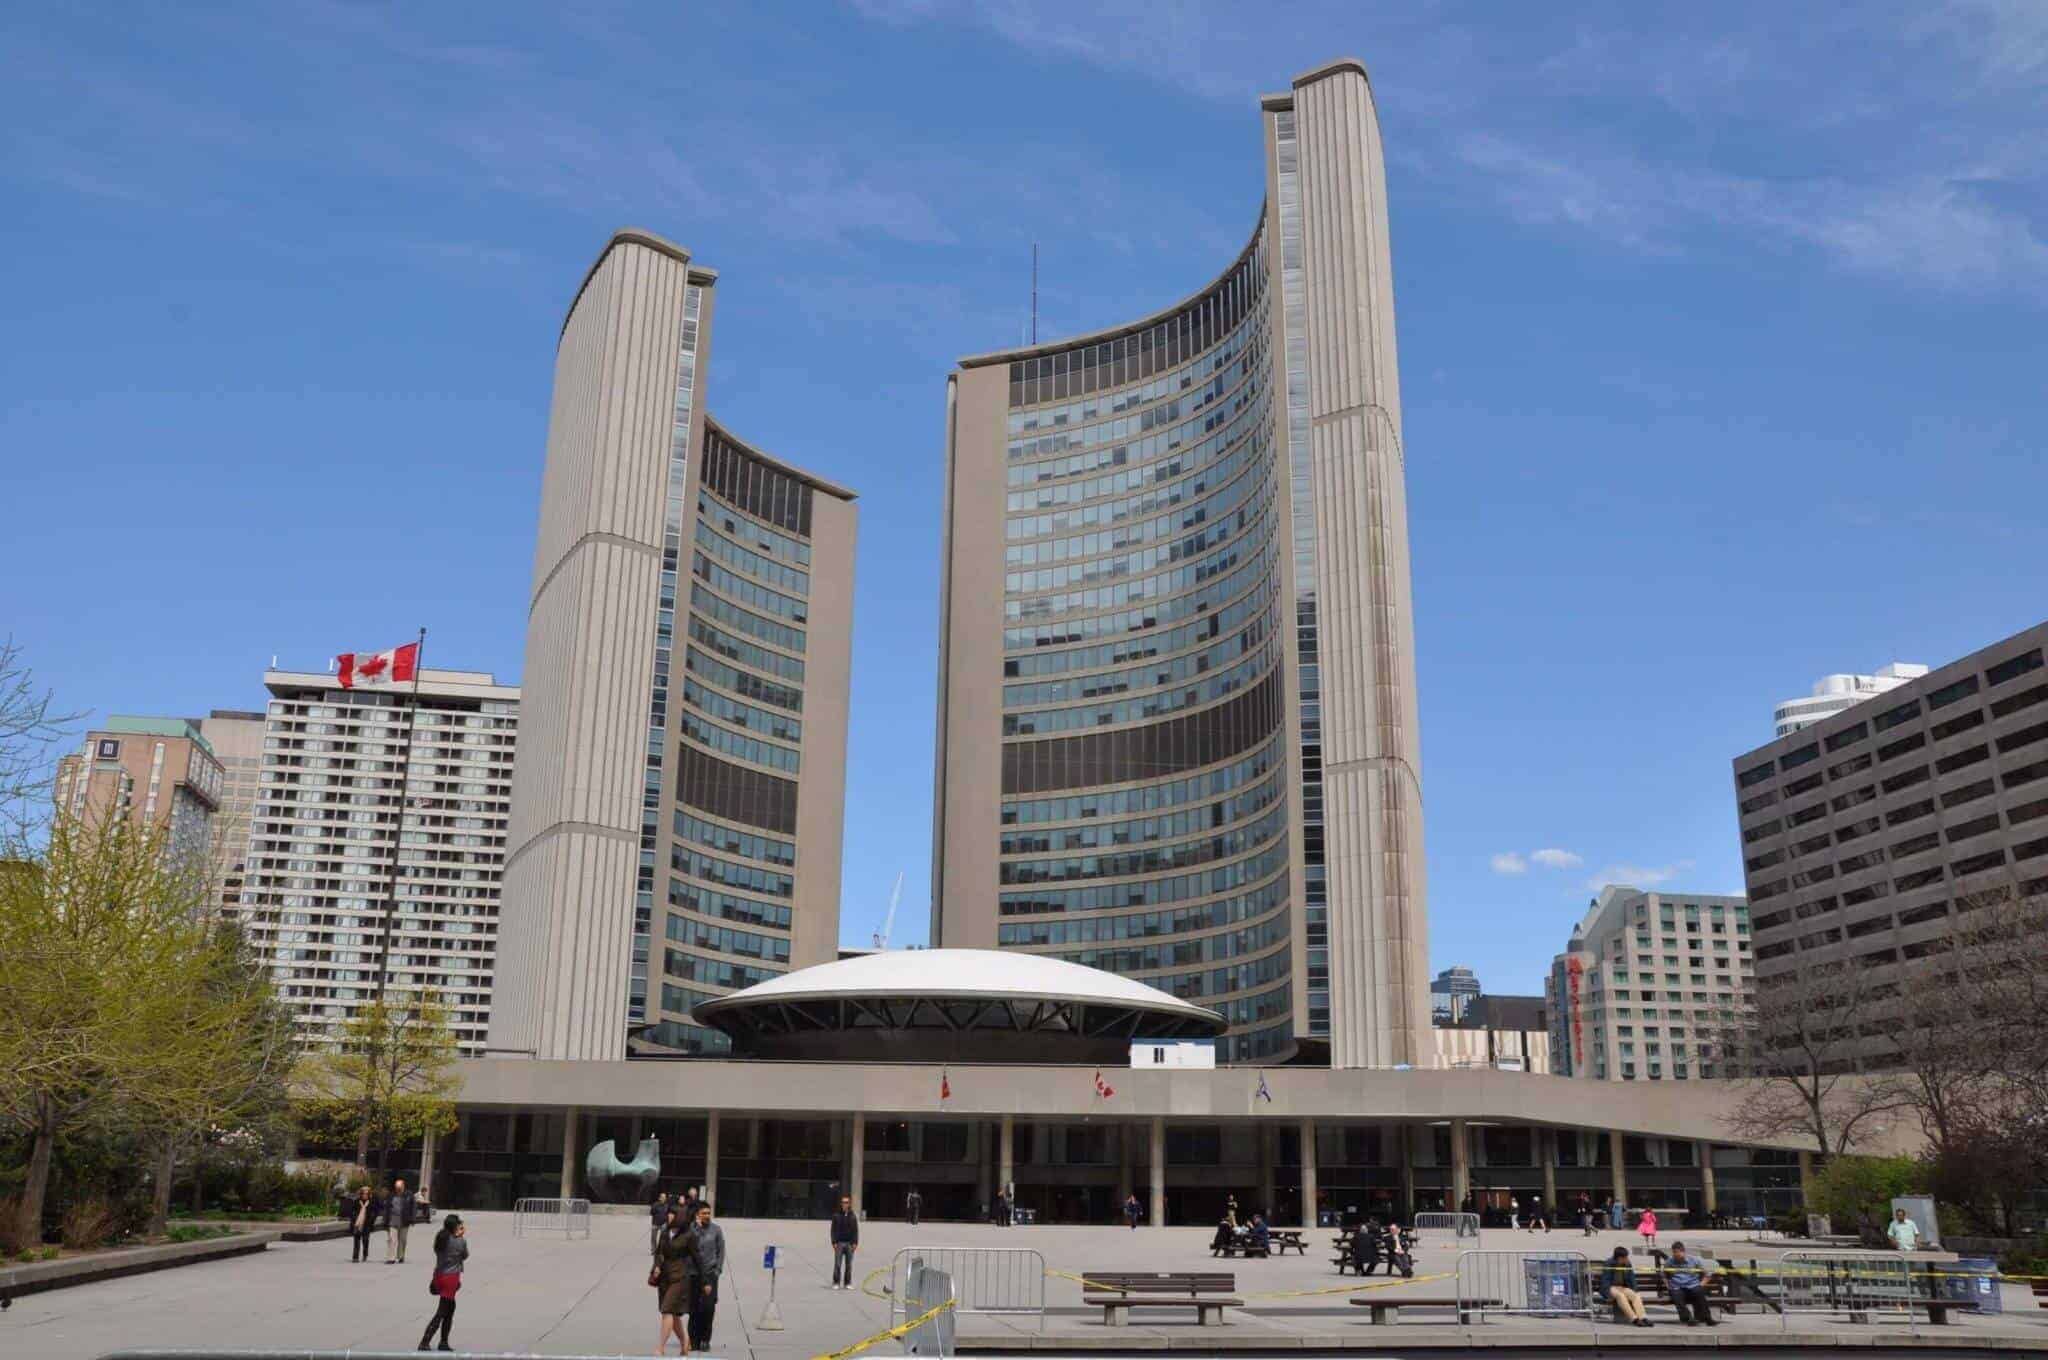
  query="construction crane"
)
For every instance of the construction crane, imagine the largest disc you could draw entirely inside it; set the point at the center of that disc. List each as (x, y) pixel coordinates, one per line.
(889, 921)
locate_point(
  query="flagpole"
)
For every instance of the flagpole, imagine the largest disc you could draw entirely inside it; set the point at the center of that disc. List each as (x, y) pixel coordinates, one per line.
(419, 667)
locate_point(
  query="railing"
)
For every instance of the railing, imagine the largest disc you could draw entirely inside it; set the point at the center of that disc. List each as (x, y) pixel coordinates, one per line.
(1008, 1281)
(569, 1217)
(1862, 1284)
(1550, 1284)
(1463, 1227)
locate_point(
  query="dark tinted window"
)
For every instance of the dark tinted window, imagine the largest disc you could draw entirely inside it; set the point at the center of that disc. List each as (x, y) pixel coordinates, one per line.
(1948, 694)
(734, 792)
(1848, 734)
(2019, 665)
(1894, 716)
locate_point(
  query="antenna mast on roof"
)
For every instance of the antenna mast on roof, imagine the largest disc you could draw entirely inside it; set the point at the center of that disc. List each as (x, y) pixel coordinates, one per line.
(1034, 292)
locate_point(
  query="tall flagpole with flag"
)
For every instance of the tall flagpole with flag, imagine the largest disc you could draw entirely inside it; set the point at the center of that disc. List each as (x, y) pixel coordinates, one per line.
(384, 667)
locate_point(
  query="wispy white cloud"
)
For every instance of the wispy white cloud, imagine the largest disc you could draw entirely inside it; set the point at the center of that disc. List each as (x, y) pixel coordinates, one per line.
(1508, 862)
(1555, 859)
(1637, 875)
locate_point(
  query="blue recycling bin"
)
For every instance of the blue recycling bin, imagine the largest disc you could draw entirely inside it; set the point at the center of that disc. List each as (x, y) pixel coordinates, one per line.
(1554, 1284)
(1973, 1282)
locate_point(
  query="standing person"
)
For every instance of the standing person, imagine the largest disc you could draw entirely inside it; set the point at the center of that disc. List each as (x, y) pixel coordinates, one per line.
(913, 1206)
(672, 1282)
(658, 1216)
(1647, 1226)
(1585, 1213)
(1685, 1278)
(1903, 1231)
(451, 1252)
(1132, 1210)
(1514, 1212)
(845, 1238)
(1538, 1213)
(362, 1220)
(1230, 1210)
(707, 1263)
(1617, 1213)
(397, 1223)
(688, 1202)
(1619, 1283)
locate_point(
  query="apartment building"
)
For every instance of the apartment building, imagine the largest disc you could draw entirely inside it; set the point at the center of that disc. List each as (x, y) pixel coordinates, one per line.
(159, 772)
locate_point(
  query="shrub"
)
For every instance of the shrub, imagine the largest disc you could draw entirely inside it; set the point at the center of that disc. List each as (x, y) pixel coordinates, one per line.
(1857, 1192)
(198, 1232)
(16, 1236)
(309, 1211)
(87, 1224)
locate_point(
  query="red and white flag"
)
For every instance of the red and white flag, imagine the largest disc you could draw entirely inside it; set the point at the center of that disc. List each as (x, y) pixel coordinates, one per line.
(360, 670)
(945, 1085)
(1103, 1090)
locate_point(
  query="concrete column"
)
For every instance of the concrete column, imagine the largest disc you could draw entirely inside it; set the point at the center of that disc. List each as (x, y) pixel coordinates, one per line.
(427, 1146)
(1123, 1152)
(1405, 1136)
(1308, 1173)
(1703, 1151)
(570, 1120)
(856, 1160)
(1616, 1165)
(1461, 1164)
(1805, 1176)
(711, 1161)
(1006, 1161)
(1158, 1172)
(1264, 1133)
(1546, 1152)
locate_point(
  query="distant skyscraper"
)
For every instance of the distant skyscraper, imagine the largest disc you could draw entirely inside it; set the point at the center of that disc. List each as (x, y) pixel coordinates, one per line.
(1177, 728)
(237, 739)
(1450, 994)
(682, 760)
(1834, 693)
(158, 772)
(1646, 984)
(329, 832)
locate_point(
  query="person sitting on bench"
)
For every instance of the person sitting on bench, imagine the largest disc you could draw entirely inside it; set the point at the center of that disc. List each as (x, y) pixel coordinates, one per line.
(1364, 1249)
(1685, 1279)
(1618, 1283)
(1261, 1241)
(1225, 1238)
(1393, 1247)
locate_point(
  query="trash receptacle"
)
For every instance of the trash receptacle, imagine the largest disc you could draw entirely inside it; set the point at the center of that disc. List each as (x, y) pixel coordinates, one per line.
(1554, 1284)
(1973, 1281)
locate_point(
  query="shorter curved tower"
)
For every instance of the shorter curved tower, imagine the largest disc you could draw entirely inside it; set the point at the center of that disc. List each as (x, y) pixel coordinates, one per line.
(679, 793)
(1177, 732)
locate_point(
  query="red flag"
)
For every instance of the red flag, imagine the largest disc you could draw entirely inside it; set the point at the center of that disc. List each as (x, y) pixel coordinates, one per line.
(945, 1085)
(370, 669)
(1103, 1089)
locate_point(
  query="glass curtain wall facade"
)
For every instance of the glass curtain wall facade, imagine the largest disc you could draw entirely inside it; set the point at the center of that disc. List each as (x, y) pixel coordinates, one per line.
(1133, 753)
(681, 777)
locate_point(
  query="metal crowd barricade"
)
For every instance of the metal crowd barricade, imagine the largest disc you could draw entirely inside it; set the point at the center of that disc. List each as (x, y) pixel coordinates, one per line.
(1550, 1284)
(569, 1217)
(1006, 1281)
(1862, 1284)
(927, 1288)
(1463, 1227)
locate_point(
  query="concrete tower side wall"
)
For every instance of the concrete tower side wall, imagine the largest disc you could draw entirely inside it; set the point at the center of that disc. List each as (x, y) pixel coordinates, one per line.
(565, 950)
(1372, 749)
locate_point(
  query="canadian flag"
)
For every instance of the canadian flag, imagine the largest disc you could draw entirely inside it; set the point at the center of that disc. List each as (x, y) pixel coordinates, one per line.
(945, 1085)
(364, 669)
(1103, 1090)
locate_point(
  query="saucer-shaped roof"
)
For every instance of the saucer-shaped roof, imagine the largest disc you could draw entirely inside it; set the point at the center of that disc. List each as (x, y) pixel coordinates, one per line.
(964, 1004)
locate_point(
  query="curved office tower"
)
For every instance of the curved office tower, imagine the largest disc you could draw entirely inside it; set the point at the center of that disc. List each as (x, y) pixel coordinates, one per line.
(679, 792)
(1183, 746)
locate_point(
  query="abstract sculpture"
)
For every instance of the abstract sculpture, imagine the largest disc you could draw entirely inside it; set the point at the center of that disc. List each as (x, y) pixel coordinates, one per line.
(622, 1182)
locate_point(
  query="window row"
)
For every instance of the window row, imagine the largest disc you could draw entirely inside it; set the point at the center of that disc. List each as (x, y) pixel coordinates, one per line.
(1145, 892)
(743, 683)
(1095, 834)
(1168, 747)
(710, 902)
(1115, 401)
(746, 653)
(1159, 463)
(1170, 610)
(766, 849)
(753, 625)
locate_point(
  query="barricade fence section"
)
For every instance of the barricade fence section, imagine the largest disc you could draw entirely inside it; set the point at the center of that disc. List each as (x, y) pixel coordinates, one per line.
(570, 1217)
(1008, 1281)
(1862, 1284)
(927, 1288)
(1549, 1284)
(1461, 1227)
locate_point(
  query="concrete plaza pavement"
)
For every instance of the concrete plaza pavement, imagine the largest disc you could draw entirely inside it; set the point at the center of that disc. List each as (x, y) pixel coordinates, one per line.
(544, 1295)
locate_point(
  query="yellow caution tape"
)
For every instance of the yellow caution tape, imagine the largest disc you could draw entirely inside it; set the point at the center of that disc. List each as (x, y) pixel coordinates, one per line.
(857, 1347)
(870, 1279)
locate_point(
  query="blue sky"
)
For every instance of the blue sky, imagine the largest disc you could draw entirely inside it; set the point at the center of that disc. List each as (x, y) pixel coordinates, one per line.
(1721, 339)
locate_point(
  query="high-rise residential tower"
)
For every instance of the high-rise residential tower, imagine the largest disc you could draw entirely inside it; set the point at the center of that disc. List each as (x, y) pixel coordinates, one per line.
(161, 772)
(680, 793)
(1177, 732)
(377, 844)
(236, 736)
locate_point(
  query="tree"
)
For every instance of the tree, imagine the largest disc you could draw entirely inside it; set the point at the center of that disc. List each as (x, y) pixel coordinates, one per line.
(1857, 1192)
(1802, 1056)
(90, 932)
(388, 1075)
(28, 729)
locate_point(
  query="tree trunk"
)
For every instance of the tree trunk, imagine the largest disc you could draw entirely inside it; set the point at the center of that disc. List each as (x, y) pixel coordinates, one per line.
(160, 1193)
(35, 1189)
(363, 1141)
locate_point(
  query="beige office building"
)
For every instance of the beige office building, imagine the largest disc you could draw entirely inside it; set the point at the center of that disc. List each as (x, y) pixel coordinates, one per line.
(159, 772)
(1177, 733)
(377, 844)
(680, 792)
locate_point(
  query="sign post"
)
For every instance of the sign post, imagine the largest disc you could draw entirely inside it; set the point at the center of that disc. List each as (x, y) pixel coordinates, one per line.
(771, 1313)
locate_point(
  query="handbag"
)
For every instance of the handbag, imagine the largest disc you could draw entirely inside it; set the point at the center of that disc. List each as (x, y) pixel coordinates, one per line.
(654, 1277)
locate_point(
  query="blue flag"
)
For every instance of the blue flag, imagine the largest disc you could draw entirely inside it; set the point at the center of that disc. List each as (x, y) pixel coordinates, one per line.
(1264, 1094)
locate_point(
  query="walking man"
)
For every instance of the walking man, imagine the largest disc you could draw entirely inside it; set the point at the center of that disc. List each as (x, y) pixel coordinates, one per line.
(397, 1223)
(660, 1219)
(707, 1263)
(845, 1237)
(913, 1206)
(1132, 1211)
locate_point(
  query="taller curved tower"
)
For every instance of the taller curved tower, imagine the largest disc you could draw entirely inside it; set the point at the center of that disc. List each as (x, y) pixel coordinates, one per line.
(1183, 746)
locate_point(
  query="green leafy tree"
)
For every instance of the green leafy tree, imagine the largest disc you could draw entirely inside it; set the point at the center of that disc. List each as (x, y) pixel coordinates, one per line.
(387, 1076)
(1857, 1192)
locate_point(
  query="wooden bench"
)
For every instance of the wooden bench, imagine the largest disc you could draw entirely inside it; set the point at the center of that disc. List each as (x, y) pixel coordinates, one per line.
(1387, 1309)
(1207, 1292)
